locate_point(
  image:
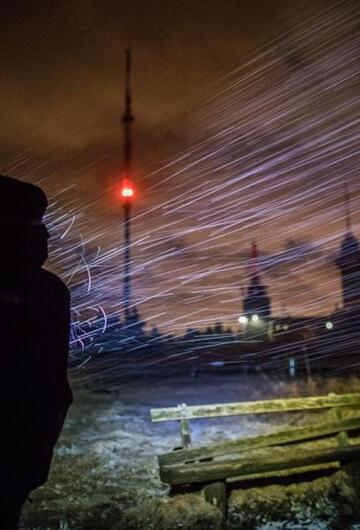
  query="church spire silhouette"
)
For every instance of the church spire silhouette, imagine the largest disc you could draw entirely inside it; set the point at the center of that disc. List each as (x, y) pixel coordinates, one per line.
(348, 260)
(256, 302)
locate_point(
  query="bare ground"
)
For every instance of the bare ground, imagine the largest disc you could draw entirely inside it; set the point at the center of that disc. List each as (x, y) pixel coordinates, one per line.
(105, 474)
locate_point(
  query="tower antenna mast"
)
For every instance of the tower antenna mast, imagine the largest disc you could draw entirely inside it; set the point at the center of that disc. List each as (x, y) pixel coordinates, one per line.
(128, 117)
(127, 191)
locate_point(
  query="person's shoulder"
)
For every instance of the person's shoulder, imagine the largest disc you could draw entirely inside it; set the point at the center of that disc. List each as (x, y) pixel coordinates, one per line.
(53, 283)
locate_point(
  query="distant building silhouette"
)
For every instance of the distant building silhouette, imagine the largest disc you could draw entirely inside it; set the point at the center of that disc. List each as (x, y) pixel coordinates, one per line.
(349, 266)
(348, 263)
(257, 303)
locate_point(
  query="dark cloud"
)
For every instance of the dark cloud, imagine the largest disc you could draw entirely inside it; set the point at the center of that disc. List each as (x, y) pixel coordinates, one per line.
(62, 66)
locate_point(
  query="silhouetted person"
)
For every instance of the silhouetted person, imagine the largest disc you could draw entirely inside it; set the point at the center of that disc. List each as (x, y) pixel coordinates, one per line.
(34, 338)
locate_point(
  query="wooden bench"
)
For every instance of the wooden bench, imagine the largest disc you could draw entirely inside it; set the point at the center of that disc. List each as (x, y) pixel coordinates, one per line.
(284, 452)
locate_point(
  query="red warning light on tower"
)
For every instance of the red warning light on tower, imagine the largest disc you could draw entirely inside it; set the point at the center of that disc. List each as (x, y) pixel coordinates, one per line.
(127, 191)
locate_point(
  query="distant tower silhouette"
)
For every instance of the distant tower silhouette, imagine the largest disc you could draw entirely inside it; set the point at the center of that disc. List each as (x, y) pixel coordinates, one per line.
(256, 302)
(127, 191)
(348, 261)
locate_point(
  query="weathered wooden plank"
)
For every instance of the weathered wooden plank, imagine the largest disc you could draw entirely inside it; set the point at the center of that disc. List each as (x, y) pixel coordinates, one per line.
(286, 472)
(221, 470)
(254, 407)
(281, 437)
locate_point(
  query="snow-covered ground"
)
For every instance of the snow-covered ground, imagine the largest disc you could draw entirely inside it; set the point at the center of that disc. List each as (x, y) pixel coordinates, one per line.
(105, 473)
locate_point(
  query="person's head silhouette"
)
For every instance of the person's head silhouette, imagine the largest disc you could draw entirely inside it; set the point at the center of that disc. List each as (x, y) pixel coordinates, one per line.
(34, 345)
(23, 236)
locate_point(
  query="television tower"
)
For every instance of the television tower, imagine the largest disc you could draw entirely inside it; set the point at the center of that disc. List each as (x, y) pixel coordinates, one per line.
(127, 189)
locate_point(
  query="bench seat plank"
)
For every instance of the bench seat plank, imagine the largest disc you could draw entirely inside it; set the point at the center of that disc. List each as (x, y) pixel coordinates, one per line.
(334, 466)
(280, 437)
(222, 470)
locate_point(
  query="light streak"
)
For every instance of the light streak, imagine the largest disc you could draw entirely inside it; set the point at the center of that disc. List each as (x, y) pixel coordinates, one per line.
(271, 145)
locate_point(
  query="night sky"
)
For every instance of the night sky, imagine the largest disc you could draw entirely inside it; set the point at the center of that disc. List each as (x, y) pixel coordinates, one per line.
(247, 125)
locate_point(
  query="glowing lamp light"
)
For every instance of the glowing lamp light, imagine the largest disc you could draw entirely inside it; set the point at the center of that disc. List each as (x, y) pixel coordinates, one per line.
(243, 320)
(255, 318)
(329, 325)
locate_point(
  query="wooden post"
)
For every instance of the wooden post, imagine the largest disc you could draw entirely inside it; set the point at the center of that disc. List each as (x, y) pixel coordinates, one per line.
(216, 495)
(184, 429)
(353, 471)
(342, 437)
